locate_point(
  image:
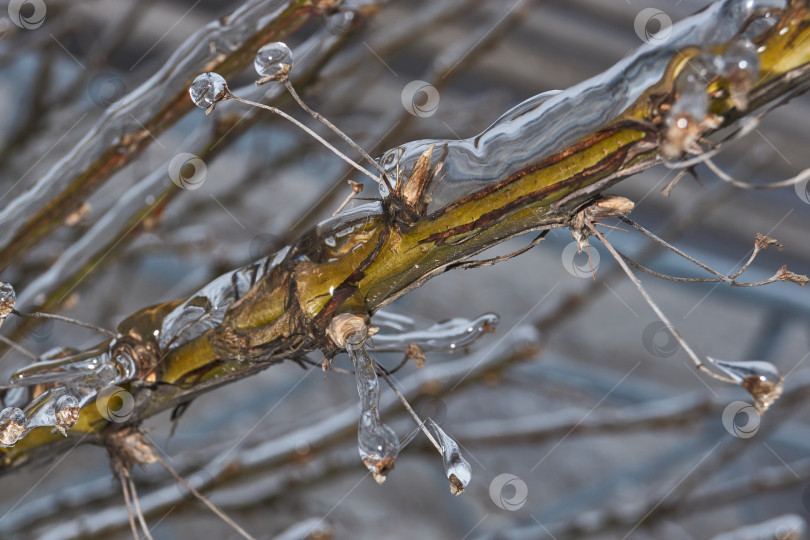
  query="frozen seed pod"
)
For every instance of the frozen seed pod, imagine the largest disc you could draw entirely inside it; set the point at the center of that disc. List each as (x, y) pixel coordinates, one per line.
(7, 300)
(457, 469)
(66, 413)
(207, 89)
(12, 425)
(273, 61)
(760, 379)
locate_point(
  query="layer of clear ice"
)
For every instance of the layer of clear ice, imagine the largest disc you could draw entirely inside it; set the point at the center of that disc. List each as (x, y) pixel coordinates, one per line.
(549, 122)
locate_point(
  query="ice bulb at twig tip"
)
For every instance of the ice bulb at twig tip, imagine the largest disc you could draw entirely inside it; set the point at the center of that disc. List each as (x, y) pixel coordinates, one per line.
(207, 89)
(456, 468)
(12, 425)
(7, 300)
(66, 413)
(377, 443)
(273, 61)
(761, 379)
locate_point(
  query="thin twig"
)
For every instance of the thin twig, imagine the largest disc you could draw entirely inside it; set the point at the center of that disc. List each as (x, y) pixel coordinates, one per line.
(725, 177)
(54, 316)
(128, 503)
(274, 110)
(419, 421)
(138, 511)
(19, 348)
(334, 128)
(698, 363)
(222, 515)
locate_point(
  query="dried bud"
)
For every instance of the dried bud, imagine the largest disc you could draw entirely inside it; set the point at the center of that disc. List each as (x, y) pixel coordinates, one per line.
(762, 242)
(786, 275)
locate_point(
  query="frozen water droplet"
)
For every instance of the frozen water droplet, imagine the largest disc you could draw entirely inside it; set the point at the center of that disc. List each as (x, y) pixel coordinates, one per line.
(207, 89)
(377, 443)
(742, 69)
(273, 61)
(692, 100)
(7, 300)
(66, 413)
(12, 425)
(761, 379)
(741, 55)
(456, 468)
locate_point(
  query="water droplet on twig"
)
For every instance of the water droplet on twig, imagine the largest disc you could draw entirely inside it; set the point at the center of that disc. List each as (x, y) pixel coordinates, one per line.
(456, 468)
(273, 62)
(377, 443)
(207, 89)
(761, 379)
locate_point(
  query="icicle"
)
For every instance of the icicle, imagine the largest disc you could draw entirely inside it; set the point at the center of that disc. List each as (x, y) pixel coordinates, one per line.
(207, 89)
(273, 62)
(377, 443)
(448, 336)
(761, 379)
(456, 468)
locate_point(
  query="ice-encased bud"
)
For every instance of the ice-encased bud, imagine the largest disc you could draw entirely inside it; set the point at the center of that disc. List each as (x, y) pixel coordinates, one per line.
(377, 443)
(207, 89)
(273, 61)
(12, 425)
(761, 379)
(7, 299)
(66, 413)
(456, 468)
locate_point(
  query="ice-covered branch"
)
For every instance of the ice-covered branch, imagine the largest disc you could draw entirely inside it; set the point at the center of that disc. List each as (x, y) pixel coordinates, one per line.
(533, 169)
